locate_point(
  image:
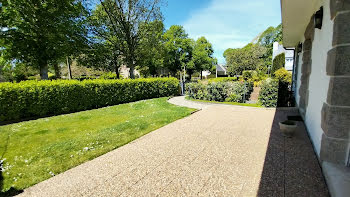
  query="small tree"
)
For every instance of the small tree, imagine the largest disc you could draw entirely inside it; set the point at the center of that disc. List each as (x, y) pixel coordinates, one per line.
(278, 62)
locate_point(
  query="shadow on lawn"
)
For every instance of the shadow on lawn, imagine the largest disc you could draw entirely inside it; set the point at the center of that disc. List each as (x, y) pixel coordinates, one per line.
(291, 167)
(12, 191)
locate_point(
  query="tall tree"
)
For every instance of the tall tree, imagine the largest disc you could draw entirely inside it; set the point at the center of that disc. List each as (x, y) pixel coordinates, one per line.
(178, 48)
(151, 50)
(202, 56)
(124, 19)
(103, 52)
(267, 38)
(38, 33)
(246, 58)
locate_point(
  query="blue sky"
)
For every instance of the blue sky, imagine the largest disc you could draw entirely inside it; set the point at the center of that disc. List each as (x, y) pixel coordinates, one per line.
(225, 23)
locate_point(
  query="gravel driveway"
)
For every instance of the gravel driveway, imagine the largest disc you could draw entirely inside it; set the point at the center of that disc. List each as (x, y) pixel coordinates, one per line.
(221, 150)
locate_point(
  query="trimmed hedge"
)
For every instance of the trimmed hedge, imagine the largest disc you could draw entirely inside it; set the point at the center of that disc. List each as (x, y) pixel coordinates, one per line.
(42, 98)
(269, 93)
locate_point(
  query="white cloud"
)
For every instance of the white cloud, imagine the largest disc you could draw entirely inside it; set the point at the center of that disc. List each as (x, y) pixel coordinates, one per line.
(232, 23)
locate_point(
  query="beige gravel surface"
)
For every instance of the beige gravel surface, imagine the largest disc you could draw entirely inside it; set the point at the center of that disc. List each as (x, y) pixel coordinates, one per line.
(219, 151)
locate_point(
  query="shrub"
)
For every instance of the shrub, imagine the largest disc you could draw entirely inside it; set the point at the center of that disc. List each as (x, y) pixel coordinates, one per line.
(278, 62)
(237, 92)
(284, 94)
(51, 76)
(109, 75)
(222, 79)
(196, 91)
(84, 77)
(42, 98)
(232, 98)
(269, 93)
(250, 75)
(283, 75)
(219, 91)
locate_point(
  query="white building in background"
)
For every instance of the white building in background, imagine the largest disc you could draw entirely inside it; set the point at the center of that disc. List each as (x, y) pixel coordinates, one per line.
(221, 70)
(278, 49)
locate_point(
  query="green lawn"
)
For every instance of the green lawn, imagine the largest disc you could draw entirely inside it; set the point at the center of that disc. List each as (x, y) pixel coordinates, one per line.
(38, 149)
(228, 103)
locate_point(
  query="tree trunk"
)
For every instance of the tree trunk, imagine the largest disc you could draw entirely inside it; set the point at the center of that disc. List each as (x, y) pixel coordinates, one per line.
(201, 74)
(44, 70)
(132, 69)
(69, 69)
(117, 71)
(57, 70)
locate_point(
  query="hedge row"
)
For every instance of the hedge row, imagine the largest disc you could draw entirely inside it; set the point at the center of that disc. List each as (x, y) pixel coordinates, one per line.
(41, 98)
(219, 91)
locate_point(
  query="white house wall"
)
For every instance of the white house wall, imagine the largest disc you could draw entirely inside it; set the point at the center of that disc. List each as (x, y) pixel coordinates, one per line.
(318, 81)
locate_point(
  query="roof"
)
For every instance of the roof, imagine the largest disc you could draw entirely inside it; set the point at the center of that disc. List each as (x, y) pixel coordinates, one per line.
(296, 15)
(221, 67)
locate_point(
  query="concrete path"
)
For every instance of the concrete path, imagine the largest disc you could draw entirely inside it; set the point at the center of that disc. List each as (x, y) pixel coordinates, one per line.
(221, 150)
(181, 101)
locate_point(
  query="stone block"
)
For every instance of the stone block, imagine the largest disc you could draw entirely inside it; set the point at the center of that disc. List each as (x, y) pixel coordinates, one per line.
(307, 46)
(333, 150)
(341, 28)
(339, 5)
(339, 91)
(338, 61)
(335, 121)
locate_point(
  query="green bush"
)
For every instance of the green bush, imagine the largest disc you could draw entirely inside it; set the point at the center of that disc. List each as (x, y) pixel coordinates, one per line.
(269, 93)
(283, 75)
(222, 79)
(42, 98)
(219, 91)
(85, 77)
(109, 75)
(284, 94)
(238, 92)
(250, 75)
(278, 62)
(196, 90)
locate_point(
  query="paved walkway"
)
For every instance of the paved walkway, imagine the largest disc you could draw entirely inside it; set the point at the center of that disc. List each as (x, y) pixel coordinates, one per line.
(221, 150)
(180, 100)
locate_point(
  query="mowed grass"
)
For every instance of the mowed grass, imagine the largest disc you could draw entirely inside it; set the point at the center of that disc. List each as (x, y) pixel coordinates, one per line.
(39, 149)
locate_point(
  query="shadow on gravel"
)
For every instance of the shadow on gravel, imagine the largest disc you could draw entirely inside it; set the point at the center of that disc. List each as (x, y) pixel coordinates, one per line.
(291, 167)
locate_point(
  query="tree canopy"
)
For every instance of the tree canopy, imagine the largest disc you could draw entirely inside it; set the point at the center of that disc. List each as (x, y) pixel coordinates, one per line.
(246, 58)
(202, 56)
(267, 38)
(38, 33)
(41, 36)
(124, 19)
(178, 48)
